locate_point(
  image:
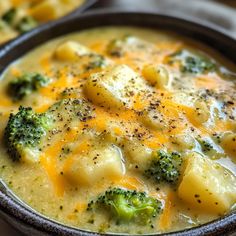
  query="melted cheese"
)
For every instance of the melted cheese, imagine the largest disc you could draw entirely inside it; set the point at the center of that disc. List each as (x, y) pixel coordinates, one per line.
(123, 119)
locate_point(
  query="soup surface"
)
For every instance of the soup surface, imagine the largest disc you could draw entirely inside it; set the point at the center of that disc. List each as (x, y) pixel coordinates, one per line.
(121, 129)
(20, 16)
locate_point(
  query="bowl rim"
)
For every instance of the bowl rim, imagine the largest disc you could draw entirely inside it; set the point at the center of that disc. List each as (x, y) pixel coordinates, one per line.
(10, 207)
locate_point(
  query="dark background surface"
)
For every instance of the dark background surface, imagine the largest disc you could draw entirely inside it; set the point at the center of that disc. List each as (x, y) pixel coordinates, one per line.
(221, 13)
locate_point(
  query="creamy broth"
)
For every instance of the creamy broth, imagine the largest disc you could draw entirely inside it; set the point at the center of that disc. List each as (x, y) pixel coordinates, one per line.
(126, 99)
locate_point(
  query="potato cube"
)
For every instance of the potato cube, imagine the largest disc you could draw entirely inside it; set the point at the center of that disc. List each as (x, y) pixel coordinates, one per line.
(153, 119)
(183, 141)
(156, 75)
(138, 154)
(100, 163)
(207, 185)
(115, 87)
(46, 10)
(229, 143)
(202, 112)
(70, 50)
(7, 32)
(4, 6)
(30, 155)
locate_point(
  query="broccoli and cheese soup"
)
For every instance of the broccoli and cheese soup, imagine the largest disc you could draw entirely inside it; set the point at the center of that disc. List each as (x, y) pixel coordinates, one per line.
(20, 16)
(121, 129)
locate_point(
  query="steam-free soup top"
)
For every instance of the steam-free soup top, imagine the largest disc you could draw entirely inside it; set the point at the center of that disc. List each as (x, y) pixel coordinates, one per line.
(121, 129)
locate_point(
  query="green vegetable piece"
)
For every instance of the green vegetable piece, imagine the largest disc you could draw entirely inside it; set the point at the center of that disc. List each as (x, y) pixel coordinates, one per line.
(197, 65)
(9, 16)
(97, 61)
(26, 24)
(127, 205)
(115, 48)
(2, 24)
(25, 85)
(24, 131)
(118, 47)
(165, 167)
(194, 64)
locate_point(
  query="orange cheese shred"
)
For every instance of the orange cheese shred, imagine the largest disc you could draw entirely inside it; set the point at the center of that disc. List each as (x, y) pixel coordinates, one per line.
(165, 218)
(130, 182)
(49, 159)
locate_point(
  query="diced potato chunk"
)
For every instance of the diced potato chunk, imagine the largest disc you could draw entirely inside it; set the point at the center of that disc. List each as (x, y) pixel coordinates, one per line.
(207, 185)
(183, 98)
(139, 155)
(183, 141)
(101, 163)
(115, 87)
(229, 143)
(7, 32)
(70, 4)
(153, 119)
(156, 75)
(4, 6)
(202, 112)
(46, 10)
(70, 51)
(114, 134)
(30, 156)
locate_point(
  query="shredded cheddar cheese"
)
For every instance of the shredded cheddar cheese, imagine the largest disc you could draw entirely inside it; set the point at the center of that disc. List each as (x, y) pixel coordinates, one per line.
(131, 131)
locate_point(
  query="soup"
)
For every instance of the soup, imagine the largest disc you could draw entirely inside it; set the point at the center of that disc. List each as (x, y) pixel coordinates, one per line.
(20, 16)
(121, 129)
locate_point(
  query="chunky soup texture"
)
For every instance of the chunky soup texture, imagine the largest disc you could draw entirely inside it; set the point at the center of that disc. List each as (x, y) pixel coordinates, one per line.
(20, 16)
(120, 129)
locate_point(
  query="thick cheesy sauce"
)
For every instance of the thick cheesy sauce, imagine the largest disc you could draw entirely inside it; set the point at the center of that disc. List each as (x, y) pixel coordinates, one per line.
(20, 16)
(118, 96)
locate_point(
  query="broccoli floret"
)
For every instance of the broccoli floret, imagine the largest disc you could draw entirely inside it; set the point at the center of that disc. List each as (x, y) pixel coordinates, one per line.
(26, 24)
(197, 65)
(23, 24)
(9, 16)
(194, 64)
(127, 205)
(118, 47)
(24, 131)
(165, 167)
(115, 48)
(26, 84)
(97, 61)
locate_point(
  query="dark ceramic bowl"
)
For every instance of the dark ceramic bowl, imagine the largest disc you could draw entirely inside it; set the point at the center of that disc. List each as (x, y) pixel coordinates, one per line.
(27, 220)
